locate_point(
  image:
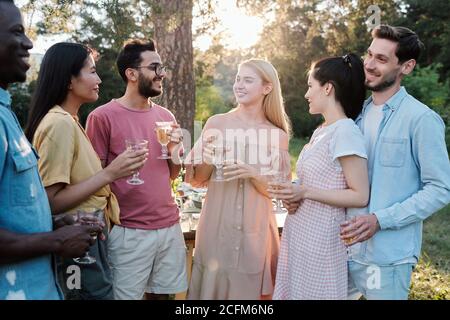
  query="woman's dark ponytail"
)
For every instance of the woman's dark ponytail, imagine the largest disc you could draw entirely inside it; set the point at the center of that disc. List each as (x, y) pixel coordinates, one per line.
(346, 73)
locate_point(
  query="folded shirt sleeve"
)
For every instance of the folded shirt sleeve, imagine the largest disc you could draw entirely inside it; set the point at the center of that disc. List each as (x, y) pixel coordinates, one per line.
(347, 140)
(55, 144)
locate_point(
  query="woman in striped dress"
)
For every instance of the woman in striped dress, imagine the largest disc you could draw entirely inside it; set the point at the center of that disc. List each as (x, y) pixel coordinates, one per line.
(332, 171)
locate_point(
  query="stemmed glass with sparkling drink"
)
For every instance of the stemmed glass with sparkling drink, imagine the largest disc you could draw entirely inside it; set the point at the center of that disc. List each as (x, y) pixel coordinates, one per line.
(276, 179)
(219, 162)
(88, 217)
(279, 174)
(135, 145)
(163, 128)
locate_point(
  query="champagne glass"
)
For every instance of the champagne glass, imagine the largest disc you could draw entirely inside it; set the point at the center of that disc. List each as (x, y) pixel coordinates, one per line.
(135, 145)
(349, 219)
(163, 128)
(219, 162)
(88, 218)
(276, 179)
(279, 174)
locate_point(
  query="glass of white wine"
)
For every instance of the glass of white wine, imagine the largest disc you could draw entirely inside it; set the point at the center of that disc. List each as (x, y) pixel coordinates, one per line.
(348, 241)
(135, 145)
(163, 128)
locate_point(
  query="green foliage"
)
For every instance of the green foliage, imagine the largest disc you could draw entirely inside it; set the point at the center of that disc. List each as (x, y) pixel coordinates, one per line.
(215, 70)
(58, 16)
(431, 21)
(21, 97)
(49, 16)
(425, 86)
(295, 147)
(174, 184)
(431, 277)
(209, 102)
(428, 282)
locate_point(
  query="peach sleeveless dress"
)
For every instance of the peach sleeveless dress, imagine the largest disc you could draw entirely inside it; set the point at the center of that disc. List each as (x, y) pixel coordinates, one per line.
(237, 241)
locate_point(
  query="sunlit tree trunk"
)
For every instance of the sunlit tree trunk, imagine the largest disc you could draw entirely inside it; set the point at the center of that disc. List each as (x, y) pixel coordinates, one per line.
(173, 35)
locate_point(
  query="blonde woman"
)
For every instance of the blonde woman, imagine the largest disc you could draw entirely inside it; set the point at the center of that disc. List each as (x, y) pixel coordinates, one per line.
(237, 237)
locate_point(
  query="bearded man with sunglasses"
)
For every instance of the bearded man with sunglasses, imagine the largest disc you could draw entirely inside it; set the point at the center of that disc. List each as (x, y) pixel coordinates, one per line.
(146, 251)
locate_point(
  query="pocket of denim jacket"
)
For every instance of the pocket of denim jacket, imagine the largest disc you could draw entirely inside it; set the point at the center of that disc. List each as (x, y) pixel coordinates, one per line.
(24, 162)
(393, 152)
(24, 186)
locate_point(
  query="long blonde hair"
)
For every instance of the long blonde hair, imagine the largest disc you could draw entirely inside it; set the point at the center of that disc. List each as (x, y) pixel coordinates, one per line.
(273, 104)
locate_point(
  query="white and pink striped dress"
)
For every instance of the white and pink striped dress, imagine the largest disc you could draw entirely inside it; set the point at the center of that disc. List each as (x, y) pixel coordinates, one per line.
(313, 260)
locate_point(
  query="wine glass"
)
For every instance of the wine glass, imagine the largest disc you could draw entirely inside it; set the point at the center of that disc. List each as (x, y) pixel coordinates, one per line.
(163, 128)
(88, 217)
(349, 219)
(276, 179)
(219, 162)
(280, 169)
(135, 145)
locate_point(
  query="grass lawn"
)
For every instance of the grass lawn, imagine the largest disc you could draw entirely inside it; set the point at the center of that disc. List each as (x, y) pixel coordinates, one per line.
(431, 278)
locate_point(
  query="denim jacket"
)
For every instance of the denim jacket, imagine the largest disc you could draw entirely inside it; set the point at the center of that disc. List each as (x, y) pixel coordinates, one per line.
(410, 178)
(24, 208)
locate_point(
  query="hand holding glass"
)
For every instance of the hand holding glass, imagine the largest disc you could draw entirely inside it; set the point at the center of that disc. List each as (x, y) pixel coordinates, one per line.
(88, 218)
(276, 179)
(134, 145)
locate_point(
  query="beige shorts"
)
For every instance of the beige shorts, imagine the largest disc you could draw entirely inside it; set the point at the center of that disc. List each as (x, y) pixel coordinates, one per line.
(151, 261)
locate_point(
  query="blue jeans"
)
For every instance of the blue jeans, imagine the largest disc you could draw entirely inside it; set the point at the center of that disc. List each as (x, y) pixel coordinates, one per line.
(380, 282)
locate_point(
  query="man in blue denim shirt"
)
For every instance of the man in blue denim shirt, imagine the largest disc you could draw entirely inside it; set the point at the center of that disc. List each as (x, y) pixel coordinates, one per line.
(408, 167)
(26, 237)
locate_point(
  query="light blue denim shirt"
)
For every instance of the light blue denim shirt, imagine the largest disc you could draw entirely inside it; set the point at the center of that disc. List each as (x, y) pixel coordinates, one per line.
(410, 178)
(24, 208)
